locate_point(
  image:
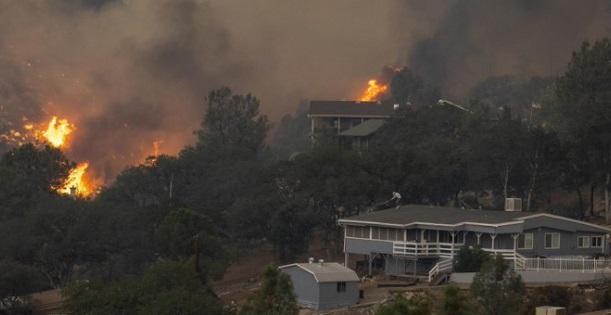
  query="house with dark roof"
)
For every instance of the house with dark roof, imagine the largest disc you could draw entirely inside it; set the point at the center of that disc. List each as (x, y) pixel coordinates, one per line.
(353, 122)
(323, 285)
(420, 239)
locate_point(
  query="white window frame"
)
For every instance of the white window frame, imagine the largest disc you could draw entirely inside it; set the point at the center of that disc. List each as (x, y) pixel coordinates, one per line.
(583, 242)
(600, 242)
(528, 240)
(553, 236)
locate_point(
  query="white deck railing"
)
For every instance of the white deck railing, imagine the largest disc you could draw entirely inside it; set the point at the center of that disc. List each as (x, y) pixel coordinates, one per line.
(442, 266)
(448, 250)
(567, 264)
(425, 249)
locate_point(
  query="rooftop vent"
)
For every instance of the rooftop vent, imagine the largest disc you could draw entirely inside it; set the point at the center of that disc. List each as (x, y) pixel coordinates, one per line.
(513, 204)
(311, 260)
(395, 106)
(321, 262)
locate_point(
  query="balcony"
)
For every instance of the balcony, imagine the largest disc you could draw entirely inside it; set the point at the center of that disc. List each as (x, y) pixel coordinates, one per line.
(425, 249)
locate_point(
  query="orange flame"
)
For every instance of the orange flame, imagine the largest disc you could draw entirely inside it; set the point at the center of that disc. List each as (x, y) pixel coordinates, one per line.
(57, 131)
(156, 145)
(373, 91)
(77, 182)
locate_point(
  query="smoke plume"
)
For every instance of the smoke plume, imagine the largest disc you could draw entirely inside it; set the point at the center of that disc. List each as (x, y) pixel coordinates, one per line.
(131, 72)
(461, 42)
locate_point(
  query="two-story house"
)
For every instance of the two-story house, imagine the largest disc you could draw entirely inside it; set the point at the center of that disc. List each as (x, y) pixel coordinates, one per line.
(353, 122)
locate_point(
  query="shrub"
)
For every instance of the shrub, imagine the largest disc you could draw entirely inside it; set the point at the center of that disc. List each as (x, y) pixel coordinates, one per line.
(470, 259)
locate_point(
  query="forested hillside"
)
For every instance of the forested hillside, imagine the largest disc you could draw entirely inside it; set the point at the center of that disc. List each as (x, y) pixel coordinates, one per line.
(524, 137)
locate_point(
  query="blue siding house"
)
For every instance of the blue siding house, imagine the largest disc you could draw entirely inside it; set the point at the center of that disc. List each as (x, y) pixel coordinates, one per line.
(419, 239)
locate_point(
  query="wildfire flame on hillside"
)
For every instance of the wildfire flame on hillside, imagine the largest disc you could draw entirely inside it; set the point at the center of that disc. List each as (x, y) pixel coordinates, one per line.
(76, 181)
(56, 134)
(374, 90)
(57, 130)
(156, 145)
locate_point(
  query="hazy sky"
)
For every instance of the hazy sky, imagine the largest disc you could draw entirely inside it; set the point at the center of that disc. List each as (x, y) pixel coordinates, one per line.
(130, 72)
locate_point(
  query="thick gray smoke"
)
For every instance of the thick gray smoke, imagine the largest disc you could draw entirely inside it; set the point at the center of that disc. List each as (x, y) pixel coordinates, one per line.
(131, 72)
(461, 42)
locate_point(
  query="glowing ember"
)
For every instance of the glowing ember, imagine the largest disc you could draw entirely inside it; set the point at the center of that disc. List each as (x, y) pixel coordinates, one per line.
(373, 91)
(57, 131)
(77, 181)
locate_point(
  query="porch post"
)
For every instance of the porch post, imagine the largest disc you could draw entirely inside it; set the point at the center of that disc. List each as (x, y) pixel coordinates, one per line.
(479, 238)
(515, 240)
(515, 247)
(346, 260)
(453, 234)
(492, 236)
(438, 250)
(370, 260)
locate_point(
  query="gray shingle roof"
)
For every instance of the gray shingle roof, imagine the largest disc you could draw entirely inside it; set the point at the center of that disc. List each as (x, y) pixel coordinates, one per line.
(328, 272)
(430, 215)
(350, 109)
(438, 215)
(365, 129)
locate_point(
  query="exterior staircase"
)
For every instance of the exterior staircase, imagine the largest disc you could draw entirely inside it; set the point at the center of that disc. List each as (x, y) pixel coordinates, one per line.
(440, 278)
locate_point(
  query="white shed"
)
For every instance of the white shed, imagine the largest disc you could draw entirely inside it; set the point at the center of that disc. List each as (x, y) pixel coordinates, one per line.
(321, 285)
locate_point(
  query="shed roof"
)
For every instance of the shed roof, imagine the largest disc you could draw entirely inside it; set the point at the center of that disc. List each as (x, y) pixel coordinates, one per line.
(327, 271)
(365, 129)
(350, 109)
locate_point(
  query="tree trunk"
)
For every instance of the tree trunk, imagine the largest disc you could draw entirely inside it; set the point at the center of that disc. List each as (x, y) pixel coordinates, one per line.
(592, 188)
(534, 166)
(581, 205)
(607, 213)
(506, 183)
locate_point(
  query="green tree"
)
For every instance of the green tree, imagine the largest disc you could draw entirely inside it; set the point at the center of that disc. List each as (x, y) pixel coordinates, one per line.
(583, 109)
(496, 160)
(29, 174)
(496, 289)
(169, 287)
(274, 297)
(233, 120)
(419, 305)
(544, 156)
(292, 136)
(16, 282)
(470, 259)
(455, 302)
(291, 229)
(45, 169)
(55, 236)
(406, 86)
(184, 233)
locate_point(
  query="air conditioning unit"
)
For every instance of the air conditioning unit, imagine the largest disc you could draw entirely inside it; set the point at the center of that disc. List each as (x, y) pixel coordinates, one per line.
(513, 204)
(550, 310)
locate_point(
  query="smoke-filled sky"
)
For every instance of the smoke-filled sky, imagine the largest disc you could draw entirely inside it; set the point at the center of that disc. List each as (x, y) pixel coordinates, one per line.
(130, 72)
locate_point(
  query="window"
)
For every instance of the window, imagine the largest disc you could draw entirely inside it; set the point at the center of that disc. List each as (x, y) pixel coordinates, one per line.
(583, 241)
(383, 233)
(357, 231)
(597, 241)
(525, 241)
(341, 287)
(552, 240)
